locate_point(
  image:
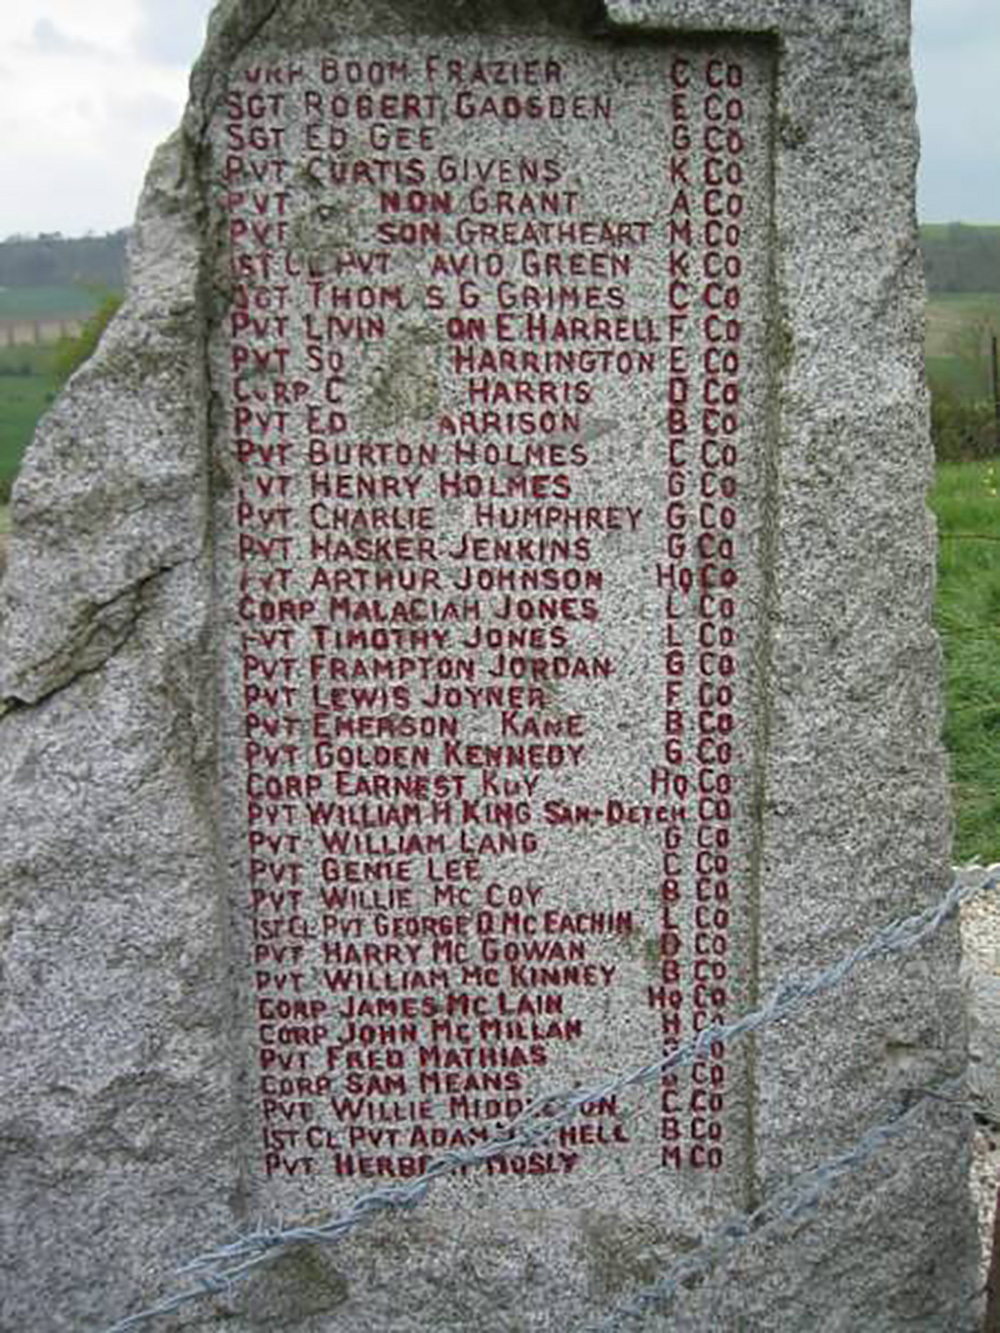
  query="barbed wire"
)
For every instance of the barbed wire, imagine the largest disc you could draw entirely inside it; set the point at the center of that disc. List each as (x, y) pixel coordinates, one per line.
(217, 1271)
(798, 1198)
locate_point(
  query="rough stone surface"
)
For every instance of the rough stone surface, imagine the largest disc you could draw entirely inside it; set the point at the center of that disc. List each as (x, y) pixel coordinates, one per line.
(133, 1128)
(980, 971)
(981, 979)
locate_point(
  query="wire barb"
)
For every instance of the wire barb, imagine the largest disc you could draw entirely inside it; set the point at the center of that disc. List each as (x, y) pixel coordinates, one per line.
(230, 1263)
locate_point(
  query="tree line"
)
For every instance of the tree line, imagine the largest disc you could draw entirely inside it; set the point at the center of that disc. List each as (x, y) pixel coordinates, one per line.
(957, 258)
(960, 258)
(53, 260)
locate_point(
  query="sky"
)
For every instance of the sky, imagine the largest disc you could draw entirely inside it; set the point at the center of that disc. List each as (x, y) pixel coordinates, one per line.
(88, 88)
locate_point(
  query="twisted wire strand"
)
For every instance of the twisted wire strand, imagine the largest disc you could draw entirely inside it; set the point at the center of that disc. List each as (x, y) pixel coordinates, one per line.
(796, 1199)
(216, 1271)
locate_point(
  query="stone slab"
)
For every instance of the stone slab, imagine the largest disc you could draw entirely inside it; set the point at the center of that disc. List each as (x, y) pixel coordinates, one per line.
(468, 541)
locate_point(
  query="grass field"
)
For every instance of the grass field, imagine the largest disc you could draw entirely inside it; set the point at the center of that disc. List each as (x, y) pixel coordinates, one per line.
(958, 342)
(957, 376)
(27, 384)
(39, 302)
(949, 319)
(948, 316)
(28, 373)
(966, 500)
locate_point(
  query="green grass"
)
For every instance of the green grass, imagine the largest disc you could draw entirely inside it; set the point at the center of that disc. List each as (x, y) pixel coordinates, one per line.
(27, 384)
(958, 377)
(26, 359)
(957, 344)
(966, 500)
(51, 302)
(948, 315)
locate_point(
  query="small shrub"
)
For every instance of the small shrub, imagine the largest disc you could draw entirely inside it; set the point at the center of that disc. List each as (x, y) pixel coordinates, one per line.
(961, 431)
(70, 353)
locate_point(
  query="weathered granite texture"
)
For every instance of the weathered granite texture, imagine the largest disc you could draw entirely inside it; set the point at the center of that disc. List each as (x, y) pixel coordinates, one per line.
(117, 1122)
(981, 978)
(127, 1140)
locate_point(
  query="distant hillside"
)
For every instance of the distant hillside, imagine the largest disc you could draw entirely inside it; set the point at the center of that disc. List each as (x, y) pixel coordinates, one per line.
(961, 258)
(957, 258)
(59, 261)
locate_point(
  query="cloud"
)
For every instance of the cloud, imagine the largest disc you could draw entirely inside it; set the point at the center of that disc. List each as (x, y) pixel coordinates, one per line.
(143, 114)
(955, 25)
(47, 40)
(171, 33)
(956, 49)
(82, 109)
(72, 194)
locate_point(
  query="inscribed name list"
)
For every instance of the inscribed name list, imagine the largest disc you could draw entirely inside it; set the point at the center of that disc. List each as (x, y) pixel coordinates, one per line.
(488, 517)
